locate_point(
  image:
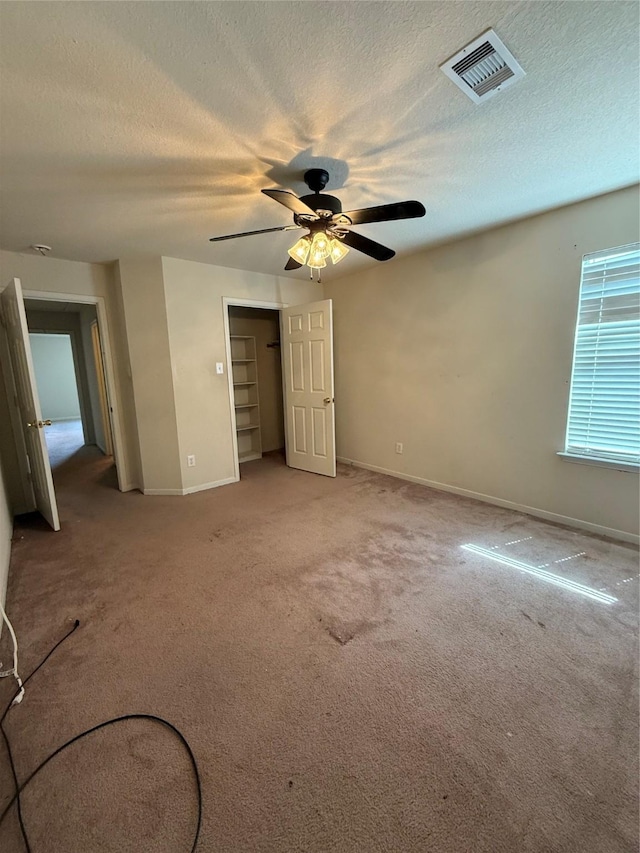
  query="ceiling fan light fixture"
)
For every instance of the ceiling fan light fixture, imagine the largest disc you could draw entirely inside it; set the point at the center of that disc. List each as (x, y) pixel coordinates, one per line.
(320, 245)
(300, 250)
(329, 227)
(319, 251)
(338, 250)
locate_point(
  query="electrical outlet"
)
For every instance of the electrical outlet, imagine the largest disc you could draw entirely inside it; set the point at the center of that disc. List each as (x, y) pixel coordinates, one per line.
(398, 447)
(219, 367)
(191, 461)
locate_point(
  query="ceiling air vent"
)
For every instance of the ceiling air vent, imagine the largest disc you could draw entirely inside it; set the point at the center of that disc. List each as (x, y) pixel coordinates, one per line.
(483, 67)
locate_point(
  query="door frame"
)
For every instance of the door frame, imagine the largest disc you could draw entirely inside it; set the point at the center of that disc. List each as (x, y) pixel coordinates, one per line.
(98, 357)
(117, 431)
(233, 302)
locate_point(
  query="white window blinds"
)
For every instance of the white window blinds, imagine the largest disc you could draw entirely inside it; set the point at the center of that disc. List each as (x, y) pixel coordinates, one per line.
(604, 406)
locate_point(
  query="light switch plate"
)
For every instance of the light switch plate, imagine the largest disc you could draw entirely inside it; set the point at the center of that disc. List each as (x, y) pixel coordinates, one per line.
(219, 367)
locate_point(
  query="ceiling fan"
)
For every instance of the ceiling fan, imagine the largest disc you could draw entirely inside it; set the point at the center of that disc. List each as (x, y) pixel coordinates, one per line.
(329, 228)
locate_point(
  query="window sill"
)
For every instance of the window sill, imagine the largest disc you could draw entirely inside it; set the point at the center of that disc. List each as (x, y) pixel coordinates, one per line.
(599, 463)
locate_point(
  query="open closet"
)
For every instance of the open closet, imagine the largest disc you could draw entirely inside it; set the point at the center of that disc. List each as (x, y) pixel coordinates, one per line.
(254, 336)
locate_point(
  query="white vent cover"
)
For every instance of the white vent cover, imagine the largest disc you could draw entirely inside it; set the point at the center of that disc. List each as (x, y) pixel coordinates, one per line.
(482, 68)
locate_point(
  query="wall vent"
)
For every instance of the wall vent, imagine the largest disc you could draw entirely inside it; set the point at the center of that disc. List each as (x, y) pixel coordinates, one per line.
(483, 68)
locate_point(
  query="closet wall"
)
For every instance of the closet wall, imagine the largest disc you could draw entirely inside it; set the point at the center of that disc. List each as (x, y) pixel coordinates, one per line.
(264, 326)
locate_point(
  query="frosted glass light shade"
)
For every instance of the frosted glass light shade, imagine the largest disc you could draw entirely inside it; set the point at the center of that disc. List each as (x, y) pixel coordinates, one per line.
(319, 251)
(300, 250)
(316, 262)
(320, 245)
(338, 251)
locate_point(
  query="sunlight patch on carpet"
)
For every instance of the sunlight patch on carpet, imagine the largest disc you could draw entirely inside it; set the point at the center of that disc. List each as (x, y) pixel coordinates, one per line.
(541, 573)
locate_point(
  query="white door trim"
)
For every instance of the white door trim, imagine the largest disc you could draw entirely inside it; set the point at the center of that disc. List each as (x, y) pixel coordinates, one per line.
(232, 302)
(117, 431)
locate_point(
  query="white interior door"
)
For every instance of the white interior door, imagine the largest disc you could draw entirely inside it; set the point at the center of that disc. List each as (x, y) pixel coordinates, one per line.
(15, 321)
(309, 414)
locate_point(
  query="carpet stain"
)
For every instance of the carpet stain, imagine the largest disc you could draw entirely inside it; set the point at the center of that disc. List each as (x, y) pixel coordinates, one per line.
(343, 631)
(340, 636)
(538, 622)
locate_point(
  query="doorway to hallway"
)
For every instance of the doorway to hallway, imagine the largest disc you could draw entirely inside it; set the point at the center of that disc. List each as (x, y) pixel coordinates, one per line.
(69, 373)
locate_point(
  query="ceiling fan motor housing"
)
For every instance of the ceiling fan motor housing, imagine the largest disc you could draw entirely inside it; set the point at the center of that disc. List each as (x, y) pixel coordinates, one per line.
(316, 180)
(320, 201)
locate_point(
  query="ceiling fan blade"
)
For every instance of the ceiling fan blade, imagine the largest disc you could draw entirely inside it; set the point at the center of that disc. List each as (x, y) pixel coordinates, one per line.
(369, 247)
(385, 212)
(251, 233)
(292, 265)
(291, 201)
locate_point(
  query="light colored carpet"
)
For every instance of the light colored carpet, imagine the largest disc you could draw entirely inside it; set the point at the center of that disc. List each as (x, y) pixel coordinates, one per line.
(350, 679)
(64, 439)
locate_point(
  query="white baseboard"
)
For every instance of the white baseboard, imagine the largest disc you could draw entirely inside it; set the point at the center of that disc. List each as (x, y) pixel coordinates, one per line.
(611, 532)
(191, 489)
(65, 420)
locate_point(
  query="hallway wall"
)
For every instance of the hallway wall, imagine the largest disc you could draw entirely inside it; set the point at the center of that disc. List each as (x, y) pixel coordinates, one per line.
(87, 317)
(55, 376)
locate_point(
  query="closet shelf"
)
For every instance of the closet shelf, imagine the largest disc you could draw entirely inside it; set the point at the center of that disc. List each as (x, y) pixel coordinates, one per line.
(248, 455)
(246, 403)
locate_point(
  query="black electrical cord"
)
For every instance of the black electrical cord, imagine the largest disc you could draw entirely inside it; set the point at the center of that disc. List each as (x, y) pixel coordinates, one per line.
(16, 783)
(19, 788)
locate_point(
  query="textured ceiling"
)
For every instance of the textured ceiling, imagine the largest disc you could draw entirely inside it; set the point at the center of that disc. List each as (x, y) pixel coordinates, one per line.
(134, 128)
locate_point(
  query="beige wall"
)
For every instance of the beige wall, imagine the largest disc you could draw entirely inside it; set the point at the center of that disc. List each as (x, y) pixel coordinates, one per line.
(264, 326)
(145, 313)
(194, 294)
(80, 279)
(464, 354)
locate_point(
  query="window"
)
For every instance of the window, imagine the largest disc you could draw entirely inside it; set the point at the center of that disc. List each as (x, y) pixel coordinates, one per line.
(604, 405)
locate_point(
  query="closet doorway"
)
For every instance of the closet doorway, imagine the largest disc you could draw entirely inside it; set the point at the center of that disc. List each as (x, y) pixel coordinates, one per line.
(281, 385)
(254, 337)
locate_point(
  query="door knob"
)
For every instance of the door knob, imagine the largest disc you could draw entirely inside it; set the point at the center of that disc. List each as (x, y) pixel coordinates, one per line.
(40, 424)
(328, 400)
